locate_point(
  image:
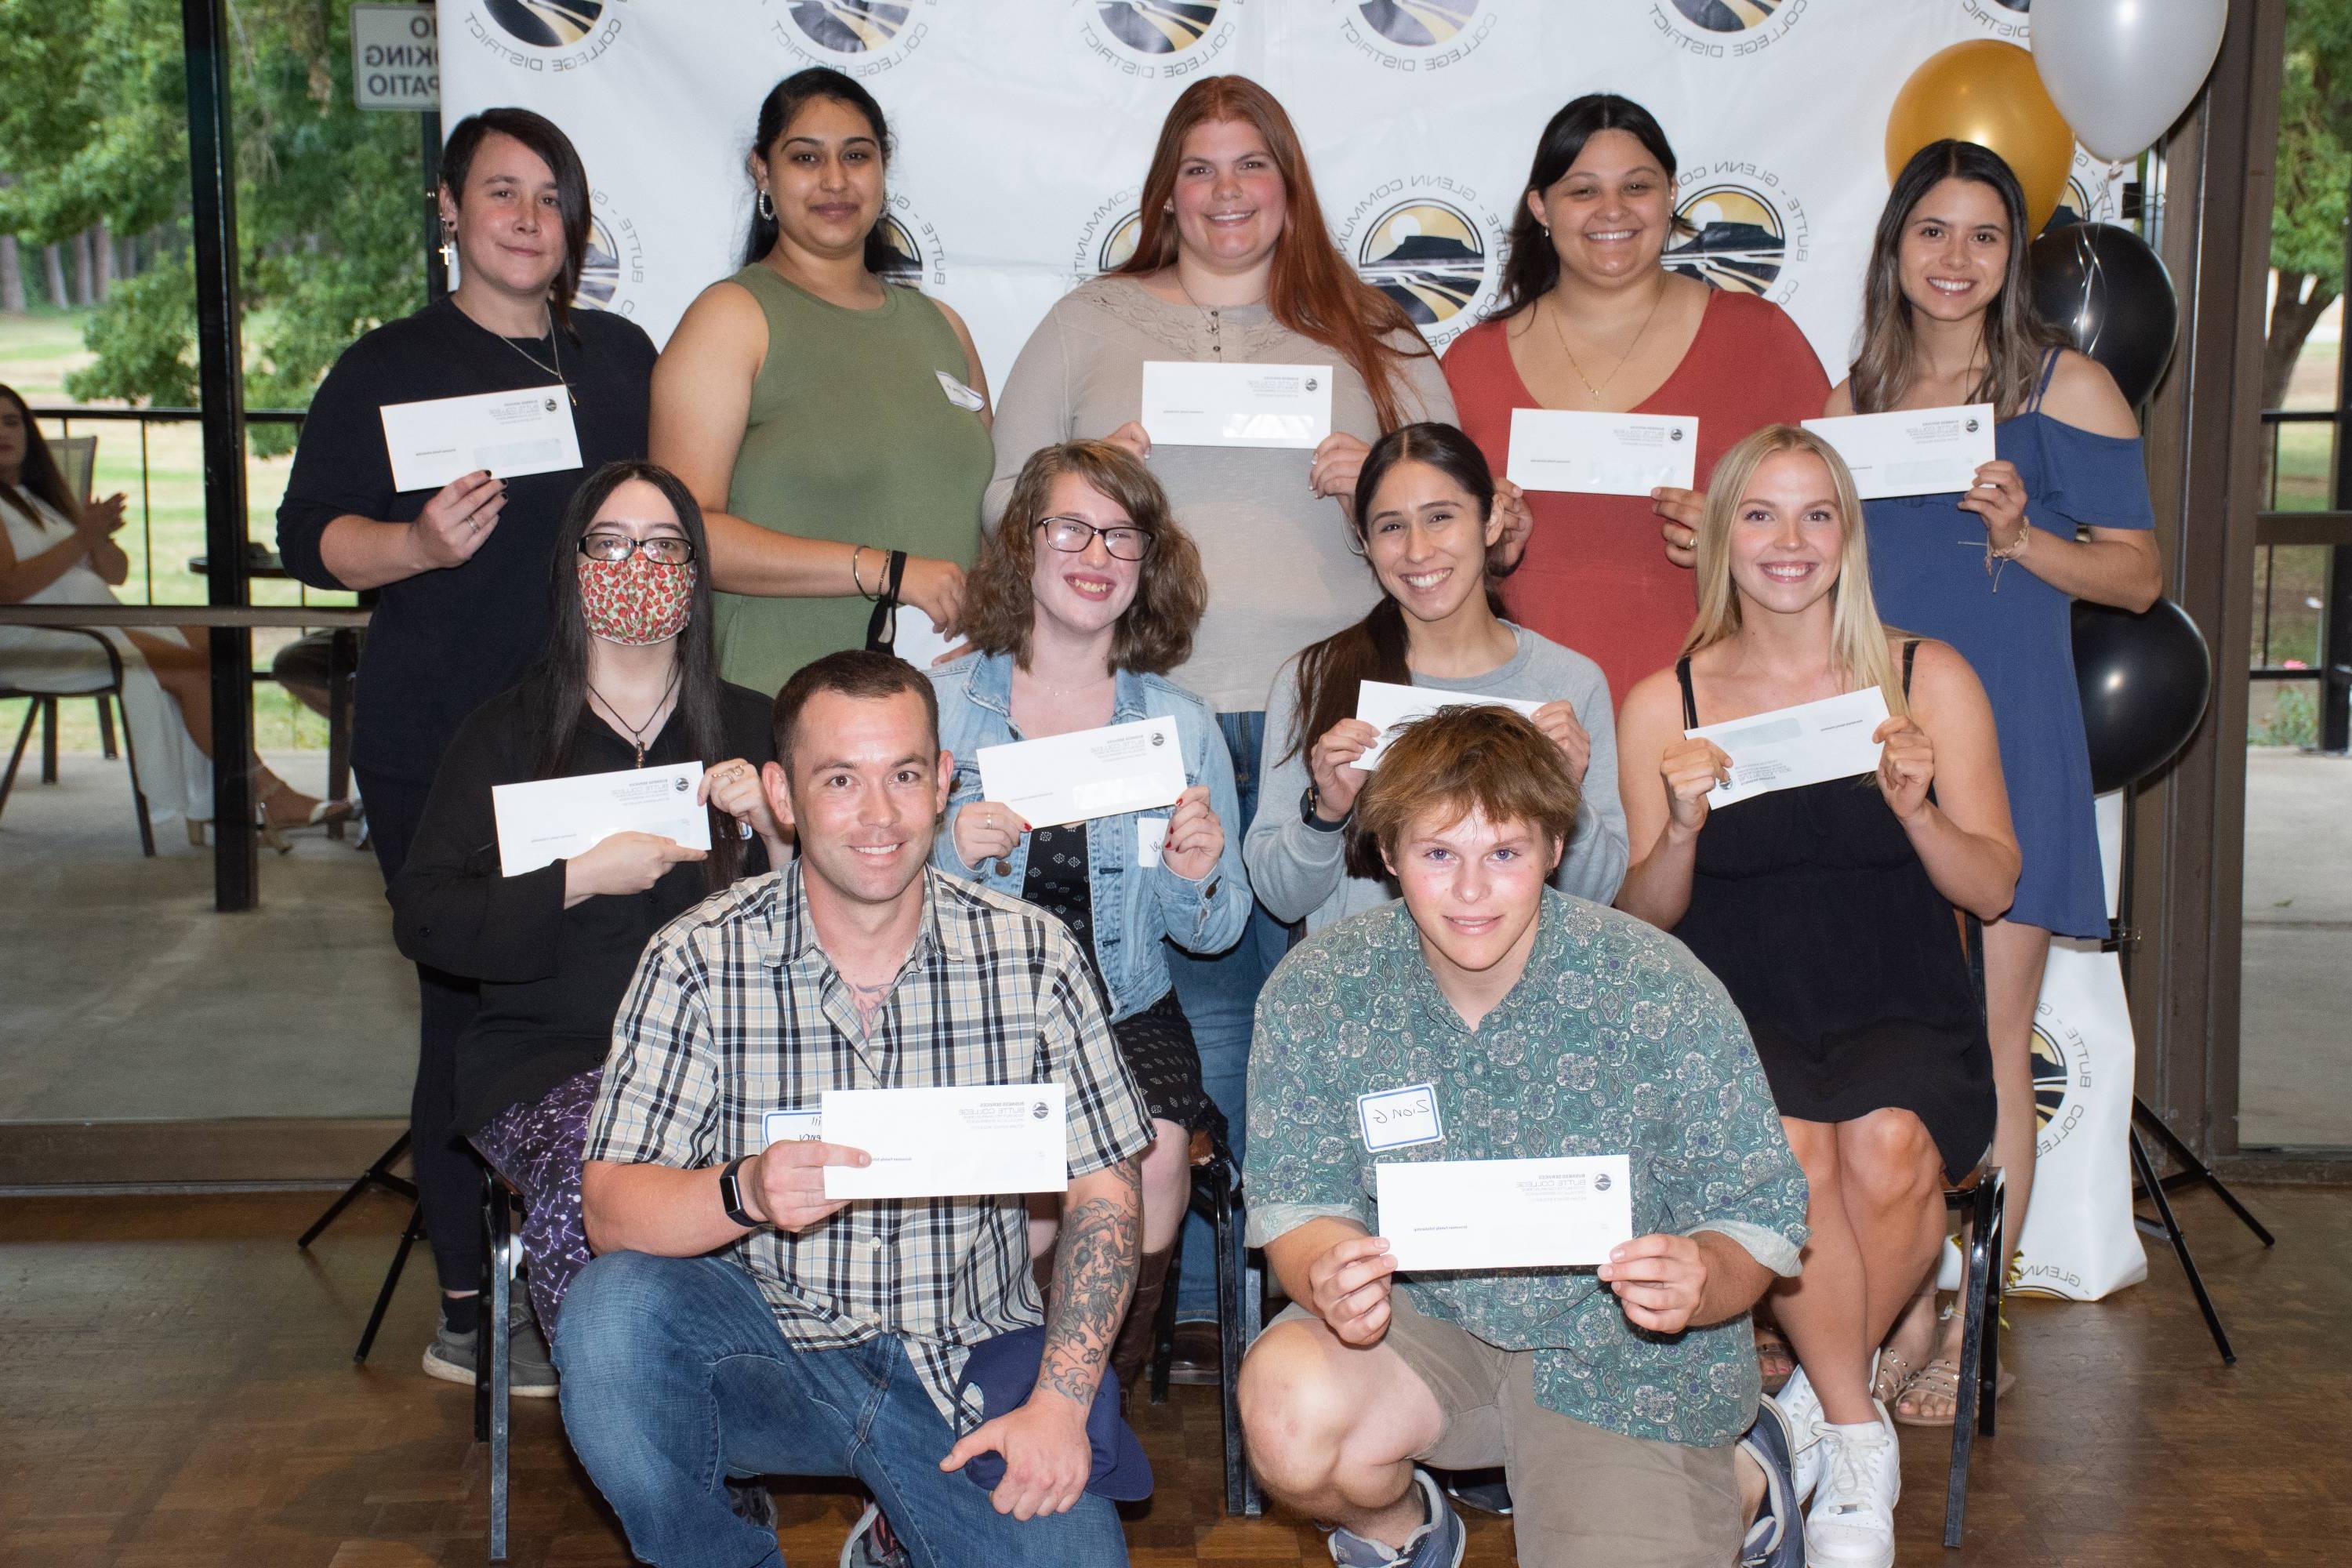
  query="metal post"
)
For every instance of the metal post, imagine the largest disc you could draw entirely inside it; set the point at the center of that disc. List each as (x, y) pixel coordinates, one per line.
(437, 276)
(220, 374)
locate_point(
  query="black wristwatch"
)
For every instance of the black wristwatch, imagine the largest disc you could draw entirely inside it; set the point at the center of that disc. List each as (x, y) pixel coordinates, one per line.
(1307, 813)
(730, 1195)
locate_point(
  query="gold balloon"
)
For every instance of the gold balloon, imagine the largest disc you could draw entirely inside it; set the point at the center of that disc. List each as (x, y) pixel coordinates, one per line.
(1987, 92)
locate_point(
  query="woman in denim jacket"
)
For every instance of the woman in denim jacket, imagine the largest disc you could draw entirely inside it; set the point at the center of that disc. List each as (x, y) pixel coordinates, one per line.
(1085, 592)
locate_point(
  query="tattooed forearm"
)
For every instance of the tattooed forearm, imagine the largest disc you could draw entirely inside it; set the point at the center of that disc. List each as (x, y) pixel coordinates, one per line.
(1094, 1272)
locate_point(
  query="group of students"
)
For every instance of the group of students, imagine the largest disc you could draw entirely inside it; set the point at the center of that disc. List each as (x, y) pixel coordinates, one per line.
(816, 443)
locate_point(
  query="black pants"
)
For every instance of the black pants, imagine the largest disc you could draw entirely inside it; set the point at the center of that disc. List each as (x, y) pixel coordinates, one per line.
(448, 1177)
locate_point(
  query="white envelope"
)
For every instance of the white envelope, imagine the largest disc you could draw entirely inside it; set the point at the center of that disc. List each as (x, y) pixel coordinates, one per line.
(966, 1141)
(1190, 405)
(1790, 747)
(1912, 451)
(1388, 708)
(915, 638)
(555, 819)
(1565, 1212)
(511, 434)
(1602, 454)
(1086, 773)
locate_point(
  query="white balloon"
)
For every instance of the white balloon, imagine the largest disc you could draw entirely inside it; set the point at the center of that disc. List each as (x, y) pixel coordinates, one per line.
(2121, 71)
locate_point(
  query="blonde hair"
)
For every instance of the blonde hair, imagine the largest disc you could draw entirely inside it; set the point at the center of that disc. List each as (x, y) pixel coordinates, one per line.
(1858, 650)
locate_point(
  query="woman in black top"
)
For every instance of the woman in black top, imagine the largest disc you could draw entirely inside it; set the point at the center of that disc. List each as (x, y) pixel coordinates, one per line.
(631, 681)
(1827, 913)
(460, 573)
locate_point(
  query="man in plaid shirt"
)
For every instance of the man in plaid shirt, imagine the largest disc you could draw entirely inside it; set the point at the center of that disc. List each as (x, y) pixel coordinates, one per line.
(738, 1322)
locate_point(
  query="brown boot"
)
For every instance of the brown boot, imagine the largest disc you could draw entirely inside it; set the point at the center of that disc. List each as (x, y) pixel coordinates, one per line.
(1130, 1353)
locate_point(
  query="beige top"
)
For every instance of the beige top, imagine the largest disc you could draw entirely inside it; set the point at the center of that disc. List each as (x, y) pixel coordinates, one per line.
(1281, 575)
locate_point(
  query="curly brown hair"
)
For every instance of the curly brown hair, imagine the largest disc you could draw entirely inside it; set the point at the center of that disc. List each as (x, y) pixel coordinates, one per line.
(1155, 634)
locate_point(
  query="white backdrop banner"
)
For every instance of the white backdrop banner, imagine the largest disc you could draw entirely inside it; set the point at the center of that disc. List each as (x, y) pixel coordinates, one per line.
(1024, 128)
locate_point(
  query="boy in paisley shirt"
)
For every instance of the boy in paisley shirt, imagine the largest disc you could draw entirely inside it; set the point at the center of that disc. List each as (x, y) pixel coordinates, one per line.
(1542, 1025)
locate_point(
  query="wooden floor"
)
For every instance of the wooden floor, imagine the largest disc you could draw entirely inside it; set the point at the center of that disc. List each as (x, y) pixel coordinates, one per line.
(176, 1387)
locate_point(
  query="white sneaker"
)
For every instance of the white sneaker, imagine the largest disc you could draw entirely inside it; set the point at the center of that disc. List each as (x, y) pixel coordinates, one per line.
(1802, 1406)
(1851, 1521)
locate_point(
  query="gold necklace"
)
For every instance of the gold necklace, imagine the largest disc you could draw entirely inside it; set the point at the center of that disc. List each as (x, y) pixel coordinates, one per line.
(1561, 334)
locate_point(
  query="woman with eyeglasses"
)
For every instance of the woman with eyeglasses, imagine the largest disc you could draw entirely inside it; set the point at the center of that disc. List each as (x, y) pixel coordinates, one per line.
(630, 681)
(1424, 519)
(1081, 601)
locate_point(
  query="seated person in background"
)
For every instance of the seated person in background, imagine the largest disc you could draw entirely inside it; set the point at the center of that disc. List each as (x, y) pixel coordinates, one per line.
(630, 680)
(1827, 911)
(1083, 598)
(1542, 1025)
(738, 1320)
(1424, 518)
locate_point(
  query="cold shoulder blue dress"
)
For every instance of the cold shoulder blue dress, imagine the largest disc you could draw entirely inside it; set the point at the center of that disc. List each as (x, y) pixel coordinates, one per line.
(1927, 571)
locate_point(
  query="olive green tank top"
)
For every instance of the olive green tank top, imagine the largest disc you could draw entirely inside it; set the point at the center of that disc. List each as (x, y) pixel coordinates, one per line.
(854, 436)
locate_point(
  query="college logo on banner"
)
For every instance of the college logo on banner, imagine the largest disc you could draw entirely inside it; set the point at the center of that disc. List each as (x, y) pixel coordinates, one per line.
(1725, 29)
(2002, 18)
(546, 35)
(1752, 233)
(614, 266)
(918, 253)
(859, 37)
(1425, 242)
(1108, 237)
(2062, 1074)
(1158, 39)
(1416, 35)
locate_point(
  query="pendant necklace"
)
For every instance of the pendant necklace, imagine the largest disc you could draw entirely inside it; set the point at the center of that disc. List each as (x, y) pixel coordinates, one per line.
(553, 347)
(638, 732)
(1561, 334)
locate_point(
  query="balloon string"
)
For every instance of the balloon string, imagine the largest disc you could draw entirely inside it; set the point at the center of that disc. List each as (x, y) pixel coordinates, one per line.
(2094, 285)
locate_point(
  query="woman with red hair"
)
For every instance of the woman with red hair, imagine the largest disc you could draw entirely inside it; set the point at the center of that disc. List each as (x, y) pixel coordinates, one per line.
(1233, 264)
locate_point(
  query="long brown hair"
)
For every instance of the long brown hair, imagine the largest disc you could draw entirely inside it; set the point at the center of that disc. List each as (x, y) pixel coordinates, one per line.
(1311, 290)
(38, 475)
(1858, 651)
(2015, 339)
(1531, 262)
(1154, 634)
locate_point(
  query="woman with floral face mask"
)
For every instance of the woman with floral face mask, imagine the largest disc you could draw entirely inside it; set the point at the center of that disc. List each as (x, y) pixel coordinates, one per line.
(630, 681)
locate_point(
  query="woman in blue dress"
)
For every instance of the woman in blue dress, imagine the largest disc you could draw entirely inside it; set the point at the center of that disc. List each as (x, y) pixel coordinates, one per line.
(2061, 514)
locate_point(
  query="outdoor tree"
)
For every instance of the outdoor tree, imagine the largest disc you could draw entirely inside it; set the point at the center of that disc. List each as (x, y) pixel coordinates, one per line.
(93, 119)
(2314, 175)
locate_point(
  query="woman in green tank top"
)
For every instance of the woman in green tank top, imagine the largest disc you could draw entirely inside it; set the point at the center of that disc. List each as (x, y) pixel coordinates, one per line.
(823, 415)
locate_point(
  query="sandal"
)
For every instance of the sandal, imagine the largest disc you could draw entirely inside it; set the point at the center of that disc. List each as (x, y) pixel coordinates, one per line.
(1889, 1377)
(1774, 1359)
(1939, 1382)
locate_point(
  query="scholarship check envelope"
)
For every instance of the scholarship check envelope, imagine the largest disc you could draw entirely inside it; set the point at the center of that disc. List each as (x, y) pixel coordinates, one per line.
(1189, 405)
(1790, 747)
(1602, 454)
(1565, 1212)
(1085, 774)
(1390, 708)
(1912, 451)
(969, 1140)
(554, 819)
(508, 432)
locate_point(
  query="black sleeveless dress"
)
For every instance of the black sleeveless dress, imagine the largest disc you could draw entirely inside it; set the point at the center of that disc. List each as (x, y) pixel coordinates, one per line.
(1812, 909)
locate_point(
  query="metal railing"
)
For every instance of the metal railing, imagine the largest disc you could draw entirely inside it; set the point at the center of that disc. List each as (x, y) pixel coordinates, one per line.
(2327, 526)
(64, 419)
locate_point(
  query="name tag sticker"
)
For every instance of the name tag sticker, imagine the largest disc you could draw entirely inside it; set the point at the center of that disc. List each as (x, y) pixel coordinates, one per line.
(793, 1126)
(1400, 1117)
(962, 397)
(1151, 837)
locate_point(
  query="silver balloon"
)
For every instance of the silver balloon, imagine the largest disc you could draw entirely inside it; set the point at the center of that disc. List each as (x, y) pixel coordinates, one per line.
(2121, 71)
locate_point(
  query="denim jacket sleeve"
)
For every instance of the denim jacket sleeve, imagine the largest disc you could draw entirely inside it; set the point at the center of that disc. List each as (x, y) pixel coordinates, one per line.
(1207, 916)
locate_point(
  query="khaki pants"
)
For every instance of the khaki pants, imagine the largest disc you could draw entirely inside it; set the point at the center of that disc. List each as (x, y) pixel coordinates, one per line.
(1582, 1497)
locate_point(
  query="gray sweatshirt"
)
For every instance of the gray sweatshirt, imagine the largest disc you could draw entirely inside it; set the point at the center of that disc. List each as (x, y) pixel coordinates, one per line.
(1301, 873)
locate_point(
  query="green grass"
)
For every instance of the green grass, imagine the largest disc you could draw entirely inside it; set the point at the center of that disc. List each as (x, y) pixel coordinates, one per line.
(164, 524)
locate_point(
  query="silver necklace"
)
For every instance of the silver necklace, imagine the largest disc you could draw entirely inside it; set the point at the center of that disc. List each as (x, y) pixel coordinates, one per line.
(553, 347)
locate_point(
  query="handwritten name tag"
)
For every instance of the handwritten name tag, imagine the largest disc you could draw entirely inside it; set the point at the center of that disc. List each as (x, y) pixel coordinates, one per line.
(1400, 1117)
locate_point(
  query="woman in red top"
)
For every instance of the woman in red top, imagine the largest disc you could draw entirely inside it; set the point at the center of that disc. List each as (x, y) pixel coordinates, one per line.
(1591, 319)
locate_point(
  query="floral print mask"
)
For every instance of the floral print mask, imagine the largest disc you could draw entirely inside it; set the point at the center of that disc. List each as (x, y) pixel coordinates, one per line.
(636, 601)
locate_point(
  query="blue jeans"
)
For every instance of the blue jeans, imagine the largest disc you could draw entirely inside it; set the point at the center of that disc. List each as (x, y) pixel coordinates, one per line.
(676, 1376)
(1220, 999)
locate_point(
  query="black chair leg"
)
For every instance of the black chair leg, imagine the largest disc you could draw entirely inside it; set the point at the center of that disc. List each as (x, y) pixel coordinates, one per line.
(49, 706)
(105, 727)
(1236, 1328)
(8, 781)
(391, 1282)
(493, 1352)
(1977, 1290)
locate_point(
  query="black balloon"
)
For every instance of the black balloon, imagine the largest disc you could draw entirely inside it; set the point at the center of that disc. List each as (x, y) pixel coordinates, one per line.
(2108, 291)
(2144, 680)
